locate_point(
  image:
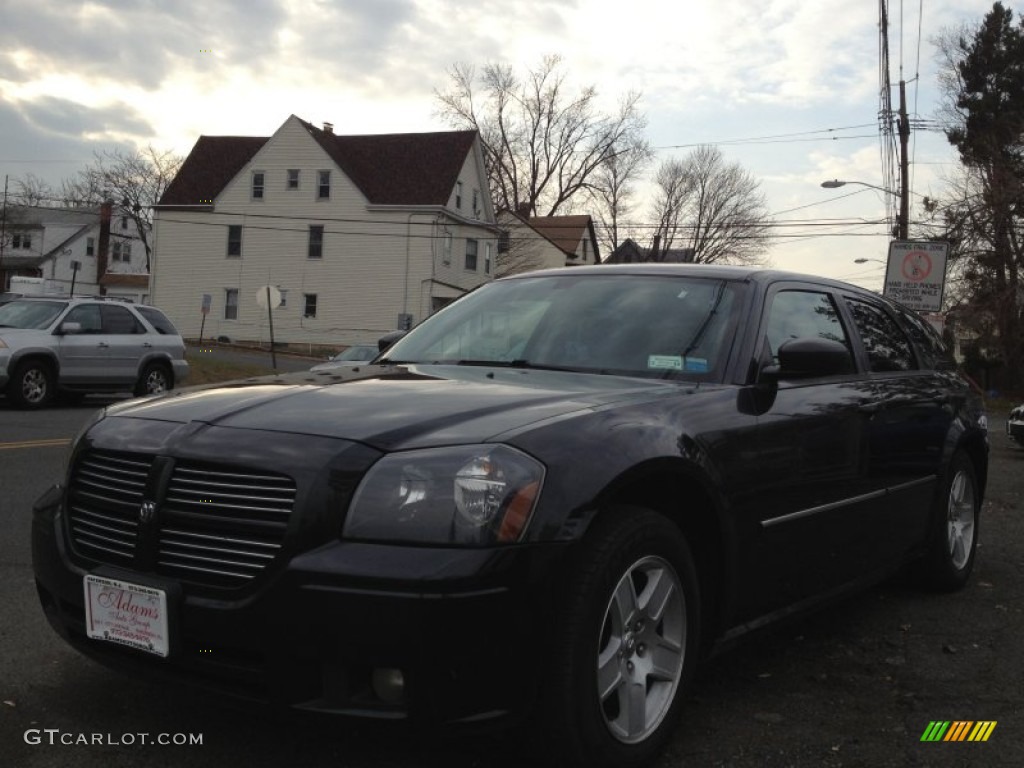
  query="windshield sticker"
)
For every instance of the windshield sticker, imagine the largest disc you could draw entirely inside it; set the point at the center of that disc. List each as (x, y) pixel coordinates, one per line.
(696, 364)
(665, 362)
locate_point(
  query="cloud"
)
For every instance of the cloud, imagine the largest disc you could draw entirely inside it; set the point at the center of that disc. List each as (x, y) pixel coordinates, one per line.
(72, 120)
(139, 43)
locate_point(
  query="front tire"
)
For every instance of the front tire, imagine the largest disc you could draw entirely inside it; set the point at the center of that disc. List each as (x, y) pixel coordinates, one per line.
(950, 558)
(32, 385)
(627, 641)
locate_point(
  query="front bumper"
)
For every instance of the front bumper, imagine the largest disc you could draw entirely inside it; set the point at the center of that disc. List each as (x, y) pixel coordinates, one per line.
(1015, 429)
(462, 625)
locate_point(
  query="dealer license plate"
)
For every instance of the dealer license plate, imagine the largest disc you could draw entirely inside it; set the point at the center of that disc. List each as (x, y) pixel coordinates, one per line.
(127, 614)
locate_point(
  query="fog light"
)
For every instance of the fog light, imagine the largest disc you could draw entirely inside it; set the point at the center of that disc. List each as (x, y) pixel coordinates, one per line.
(389, 685)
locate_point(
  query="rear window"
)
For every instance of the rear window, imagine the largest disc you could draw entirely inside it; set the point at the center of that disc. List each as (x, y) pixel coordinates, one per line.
(158, 320)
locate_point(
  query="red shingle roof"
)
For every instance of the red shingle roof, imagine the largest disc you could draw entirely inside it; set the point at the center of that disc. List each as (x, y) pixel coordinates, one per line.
(389, 169)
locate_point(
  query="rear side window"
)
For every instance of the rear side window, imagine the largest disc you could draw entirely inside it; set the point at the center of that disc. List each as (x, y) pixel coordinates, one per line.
(158, 320)
(121, 321)
(885, 342)
(929, 344)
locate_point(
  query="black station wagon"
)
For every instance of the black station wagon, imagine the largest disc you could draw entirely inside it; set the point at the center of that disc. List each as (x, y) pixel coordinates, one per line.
(549, 499)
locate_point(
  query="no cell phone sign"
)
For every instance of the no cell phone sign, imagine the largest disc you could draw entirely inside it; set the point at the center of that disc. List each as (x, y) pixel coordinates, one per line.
(916, 274)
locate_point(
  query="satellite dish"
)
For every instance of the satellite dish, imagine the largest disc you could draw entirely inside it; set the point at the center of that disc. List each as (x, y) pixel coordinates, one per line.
(274, 296)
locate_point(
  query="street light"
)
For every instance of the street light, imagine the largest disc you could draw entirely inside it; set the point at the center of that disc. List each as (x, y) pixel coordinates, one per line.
(901, 219)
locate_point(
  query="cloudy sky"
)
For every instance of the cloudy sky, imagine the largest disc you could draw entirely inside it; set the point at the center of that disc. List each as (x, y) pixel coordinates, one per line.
(788, 88)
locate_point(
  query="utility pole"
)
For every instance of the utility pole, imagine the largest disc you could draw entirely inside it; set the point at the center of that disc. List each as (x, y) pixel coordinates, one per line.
(3, 237)
(902, 222)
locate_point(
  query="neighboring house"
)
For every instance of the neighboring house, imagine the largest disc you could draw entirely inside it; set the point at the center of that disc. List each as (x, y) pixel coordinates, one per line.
(628, 252)
(46, 243)
(360, 234)
(546, 242)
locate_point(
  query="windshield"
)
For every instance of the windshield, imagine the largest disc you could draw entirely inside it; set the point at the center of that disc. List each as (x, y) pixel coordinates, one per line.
(37, 315)
(359, 353)
(638, 325)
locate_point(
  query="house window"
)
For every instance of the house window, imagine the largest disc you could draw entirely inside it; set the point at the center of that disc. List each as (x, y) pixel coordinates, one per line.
(124, 222)
(487, 258)
(458, 194)
(115, 248)
(257, 185)
(234, 240)
(230, 303)
(293, 178)
(476, 202)
(309, 309)
(323, 185)
(21, 240)
(126, 250)
(90, 246)
(284, 296)
(446, 257)
(503, 241)
(584, 250)
(471, 255)
(316, 241)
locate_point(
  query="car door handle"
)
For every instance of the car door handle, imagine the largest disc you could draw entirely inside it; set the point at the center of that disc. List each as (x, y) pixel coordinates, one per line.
(147, 345)
(103, 345)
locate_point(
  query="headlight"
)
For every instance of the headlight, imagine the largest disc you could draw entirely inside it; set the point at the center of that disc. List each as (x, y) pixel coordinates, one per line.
(471, 495)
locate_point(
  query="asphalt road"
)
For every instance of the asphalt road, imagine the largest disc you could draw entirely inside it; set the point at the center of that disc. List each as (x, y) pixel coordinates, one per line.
(855, 685)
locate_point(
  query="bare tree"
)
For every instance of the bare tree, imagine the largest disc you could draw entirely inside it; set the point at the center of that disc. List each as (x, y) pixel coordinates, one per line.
(612, 192)
(134, 181)
(543, 145)
(982, 78)
(32, 190)
(715, 208)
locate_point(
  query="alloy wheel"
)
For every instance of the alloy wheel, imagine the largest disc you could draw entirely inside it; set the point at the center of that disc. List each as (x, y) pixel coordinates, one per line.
(641, 649)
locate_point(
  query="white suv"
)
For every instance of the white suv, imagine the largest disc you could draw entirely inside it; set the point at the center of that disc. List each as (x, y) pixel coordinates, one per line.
(77, 346)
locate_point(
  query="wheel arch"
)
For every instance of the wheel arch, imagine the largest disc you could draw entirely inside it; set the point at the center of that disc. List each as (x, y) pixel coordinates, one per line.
(46, 355)
(686, 496)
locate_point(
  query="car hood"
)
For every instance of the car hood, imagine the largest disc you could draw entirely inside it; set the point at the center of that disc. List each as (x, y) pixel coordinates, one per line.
(393, 408)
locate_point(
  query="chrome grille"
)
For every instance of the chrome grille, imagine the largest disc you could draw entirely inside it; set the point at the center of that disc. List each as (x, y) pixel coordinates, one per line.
(103, 505)
(221, 526)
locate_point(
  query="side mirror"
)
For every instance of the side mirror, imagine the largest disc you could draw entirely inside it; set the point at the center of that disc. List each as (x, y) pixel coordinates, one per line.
(69, 327)
(388, 339)
(811, 357)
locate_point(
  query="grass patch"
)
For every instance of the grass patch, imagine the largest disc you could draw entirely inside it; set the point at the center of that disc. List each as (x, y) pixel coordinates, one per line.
(205, 370)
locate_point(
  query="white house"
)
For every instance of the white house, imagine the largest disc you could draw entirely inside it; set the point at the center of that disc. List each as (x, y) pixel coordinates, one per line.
(360, 235)
(546, 242)
(47, 242)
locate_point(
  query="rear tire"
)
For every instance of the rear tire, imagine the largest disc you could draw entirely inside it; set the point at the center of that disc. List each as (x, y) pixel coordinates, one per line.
(155, 380)
(32, 385)
(628, 630)
(950, 558)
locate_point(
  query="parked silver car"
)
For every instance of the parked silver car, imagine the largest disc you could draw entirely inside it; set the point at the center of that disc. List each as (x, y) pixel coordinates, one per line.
(357, 354)
(77, 346)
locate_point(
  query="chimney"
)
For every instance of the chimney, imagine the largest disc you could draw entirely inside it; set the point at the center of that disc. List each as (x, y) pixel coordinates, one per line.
(104, 244)
(328, 127)
(523, 209)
